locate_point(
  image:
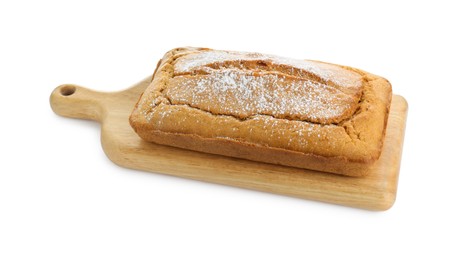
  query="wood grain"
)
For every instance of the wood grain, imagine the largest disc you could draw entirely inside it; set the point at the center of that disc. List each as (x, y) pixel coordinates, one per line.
(120, 143)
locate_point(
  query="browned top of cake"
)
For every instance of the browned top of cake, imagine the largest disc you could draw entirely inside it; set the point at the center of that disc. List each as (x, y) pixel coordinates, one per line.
(244, 85)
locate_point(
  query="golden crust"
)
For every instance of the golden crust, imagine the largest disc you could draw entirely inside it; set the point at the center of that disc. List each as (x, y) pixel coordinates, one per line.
(342, 132)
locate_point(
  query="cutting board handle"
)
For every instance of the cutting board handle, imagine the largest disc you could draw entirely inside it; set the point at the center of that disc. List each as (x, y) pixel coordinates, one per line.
(78, 102)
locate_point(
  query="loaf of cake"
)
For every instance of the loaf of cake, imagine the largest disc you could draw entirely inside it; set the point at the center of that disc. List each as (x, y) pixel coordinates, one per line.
(291, 112)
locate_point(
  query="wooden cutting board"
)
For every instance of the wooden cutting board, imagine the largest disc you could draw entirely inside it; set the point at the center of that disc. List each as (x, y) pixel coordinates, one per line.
(121, 144)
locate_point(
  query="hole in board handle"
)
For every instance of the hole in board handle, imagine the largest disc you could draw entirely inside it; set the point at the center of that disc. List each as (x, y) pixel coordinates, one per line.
(67, 90)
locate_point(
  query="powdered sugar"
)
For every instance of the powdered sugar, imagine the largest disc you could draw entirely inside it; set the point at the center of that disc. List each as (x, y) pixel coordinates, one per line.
(326, 72)
(243, 94)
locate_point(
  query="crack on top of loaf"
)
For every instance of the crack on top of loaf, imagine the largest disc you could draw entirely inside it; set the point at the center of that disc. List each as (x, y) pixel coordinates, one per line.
(328, 73)
(255, 63)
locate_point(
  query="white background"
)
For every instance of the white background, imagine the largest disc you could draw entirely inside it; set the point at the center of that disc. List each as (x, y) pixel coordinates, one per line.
(61, 198)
